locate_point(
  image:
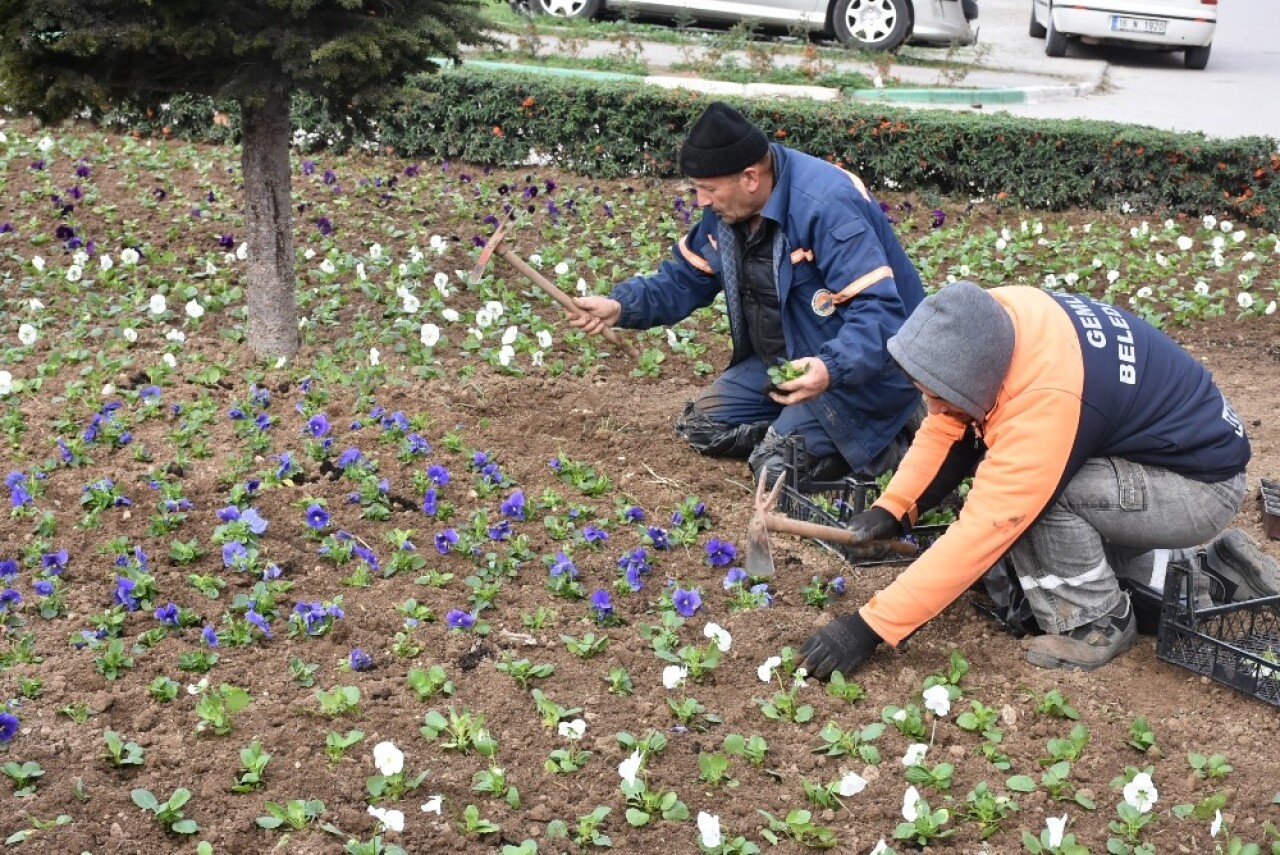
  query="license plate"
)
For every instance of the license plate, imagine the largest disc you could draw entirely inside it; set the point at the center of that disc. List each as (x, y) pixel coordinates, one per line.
(1121, 24)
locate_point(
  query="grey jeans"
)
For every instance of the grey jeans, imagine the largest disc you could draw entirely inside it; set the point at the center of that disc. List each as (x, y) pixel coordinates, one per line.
(1115, 519)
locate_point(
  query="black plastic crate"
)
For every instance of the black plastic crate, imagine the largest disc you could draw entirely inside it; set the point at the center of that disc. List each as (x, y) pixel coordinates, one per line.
(834, 503)
(1237, 644)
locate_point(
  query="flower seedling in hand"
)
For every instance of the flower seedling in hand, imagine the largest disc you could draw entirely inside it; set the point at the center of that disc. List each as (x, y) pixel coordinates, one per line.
(784, 373)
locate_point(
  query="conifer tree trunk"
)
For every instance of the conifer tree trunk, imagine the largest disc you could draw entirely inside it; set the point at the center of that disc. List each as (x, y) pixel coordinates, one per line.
(268, 216)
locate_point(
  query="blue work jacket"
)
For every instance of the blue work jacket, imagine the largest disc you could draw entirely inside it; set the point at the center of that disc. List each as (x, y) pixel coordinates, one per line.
(845, 286)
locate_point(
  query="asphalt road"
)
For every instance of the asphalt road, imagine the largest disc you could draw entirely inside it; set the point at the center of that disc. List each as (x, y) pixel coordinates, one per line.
(1237, 95)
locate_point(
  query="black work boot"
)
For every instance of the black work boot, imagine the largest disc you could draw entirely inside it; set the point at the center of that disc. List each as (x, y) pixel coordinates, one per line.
(1090, 646)
(1243, 571)
(770, 457)
(715, 438)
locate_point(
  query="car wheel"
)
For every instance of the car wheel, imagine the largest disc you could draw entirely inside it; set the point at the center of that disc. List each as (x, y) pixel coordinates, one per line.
(566, 8)
(1196, 57)
(1055, 43)
(1035, 29)
(876, 25)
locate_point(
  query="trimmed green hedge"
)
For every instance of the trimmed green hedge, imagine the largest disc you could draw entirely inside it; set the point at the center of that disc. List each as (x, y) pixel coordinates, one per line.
(611, 129)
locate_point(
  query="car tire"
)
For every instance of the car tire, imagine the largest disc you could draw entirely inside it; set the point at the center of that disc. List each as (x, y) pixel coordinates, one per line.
(1196, 58)
(566, 8)
(1055, 43)
(874, 25)
(1035, 29)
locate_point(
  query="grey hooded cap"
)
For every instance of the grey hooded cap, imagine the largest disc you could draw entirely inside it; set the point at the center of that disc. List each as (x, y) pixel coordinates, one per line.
(958, 344)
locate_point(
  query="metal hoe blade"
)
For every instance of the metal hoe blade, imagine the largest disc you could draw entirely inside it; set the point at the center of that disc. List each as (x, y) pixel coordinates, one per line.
(759, 551)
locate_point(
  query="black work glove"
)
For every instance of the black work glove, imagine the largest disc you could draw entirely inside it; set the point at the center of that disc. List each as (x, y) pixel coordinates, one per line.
(874, 524)
(841, 645)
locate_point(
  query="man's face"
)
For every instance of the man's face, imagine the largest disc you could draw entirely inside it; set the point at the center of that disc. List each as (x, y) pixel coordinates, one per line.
(937, 406)
(733, 198)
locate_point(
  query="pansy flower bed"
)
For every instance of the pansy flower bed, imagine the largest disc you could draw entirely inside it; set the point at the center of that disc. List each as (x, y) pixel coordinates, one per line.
(447, 582)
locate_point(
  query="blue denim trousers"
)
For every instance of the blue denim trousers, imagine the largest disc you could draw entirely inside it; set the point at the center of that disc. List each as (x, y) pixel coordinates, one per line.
(737, 397)
(1116, 519)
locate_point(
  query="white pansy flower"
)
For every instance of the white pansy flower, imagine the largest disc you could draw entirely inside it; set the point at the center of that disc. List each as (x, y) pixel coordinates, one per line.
(509, 335)
(35, 305)
(242, 251)
(194, 310)
(74, 273)
(765, 671)
(536, 357)
(157, 304)
(1057, 825)
(544, 339)
(719, 635)
(506, 355)
(629, 768)
(851, 784)
(495, 309)
(433, 805)
(937, 700)
(80, 257)
(1226, 226)
(673, 676)
(45, 145)
(450, 315)
(176, 335)
(388, 758)
(1112, 276)
(360, 274)
(108, 389)
(1248, 257)
(438, 243)
(1185, 243)
(1210, 221)
(1141, 793)
(572, 729)
(105, 262)
(900, 715)
(562, 268)
(375, 251)
(1219, 242)
(309, 253)
(483, 320)
(915, 754)
(27, 334)
(442, 284)
(1245, 299)
(410, 304)
(430, 335)
(1271, 308)
(880, 848)
(415, 254)
(709, 830)
(535, 259)
(170, 360)
(1001, 244)
(910, 801)
(392, 819)
(1161, 259)
(326, 266)
(375, 356)
(6, 382)
(37, 262)
(1216, 825)
(129, 334)
(582, 286)
(1202, 288)
(1143, 293)
(1169, 224)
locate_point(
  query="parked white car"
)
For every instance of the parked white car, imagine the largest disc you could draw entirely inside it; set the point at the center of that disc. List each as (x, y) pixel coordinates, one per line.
(877, 25)
(1185, 25)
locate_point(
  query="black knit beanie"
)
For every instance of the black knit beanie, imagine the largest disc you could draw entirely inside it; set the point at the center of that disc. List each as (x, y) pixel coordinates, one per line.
(721, 142)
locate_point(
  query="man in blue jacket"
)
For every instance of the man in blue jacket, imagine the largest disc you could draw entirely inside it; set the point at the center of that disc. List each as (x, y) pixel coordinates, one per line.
(812, 274)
